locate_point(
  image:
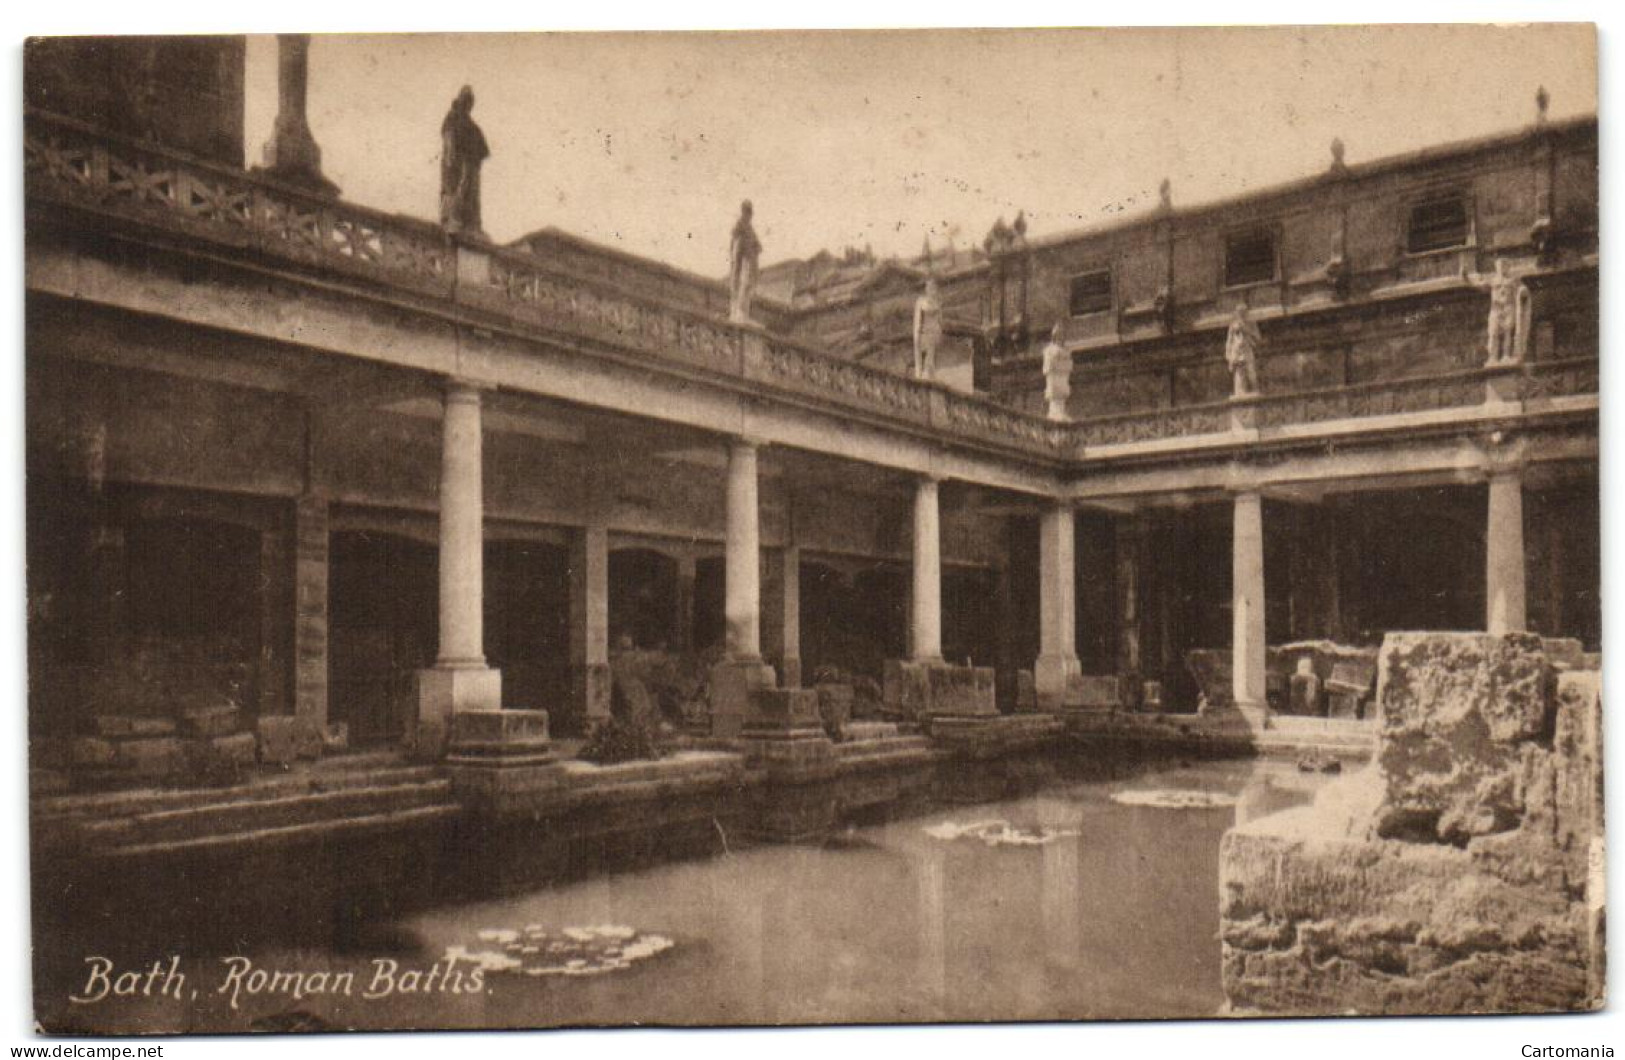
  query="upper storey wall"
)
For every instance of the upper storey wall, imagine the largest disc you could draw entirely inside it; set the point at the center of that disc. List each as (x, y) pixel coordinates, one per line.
(1362, 237)
(184, 92)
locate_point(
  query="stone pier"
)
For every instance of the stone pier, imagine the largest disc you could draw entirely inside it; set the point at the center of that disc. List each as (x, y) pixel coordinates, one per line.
(1057, 670)
(743, 670)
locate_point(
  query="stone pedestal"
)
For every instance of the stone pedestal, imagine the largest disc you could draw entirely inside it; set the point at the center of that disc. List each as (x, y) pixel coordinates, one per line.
(784, 734)
(446, 691)
(1244, 413)
(499, 739)
(733, 681)
(1055, 679)
(1503, 384)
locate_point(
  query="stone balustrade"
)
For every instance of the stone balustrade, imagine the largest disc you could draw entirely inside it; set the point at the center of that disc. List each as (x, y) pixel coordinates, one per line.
(71, 164)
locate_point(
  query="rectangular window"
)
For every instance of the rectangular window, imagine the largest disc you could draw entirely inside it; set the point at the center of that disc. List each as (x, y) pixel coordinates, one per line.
(1437, 224)
(1091, 292)
(1249, 257)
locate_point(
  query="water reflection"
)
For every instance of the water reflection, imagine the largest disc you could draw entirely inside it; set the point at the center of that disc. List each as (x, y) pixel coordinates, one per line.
(1115, 916)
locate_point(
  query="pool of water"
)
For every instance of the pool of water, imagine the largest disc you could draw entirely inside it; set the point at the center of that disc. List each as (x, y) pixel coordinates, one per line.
(1089, 899)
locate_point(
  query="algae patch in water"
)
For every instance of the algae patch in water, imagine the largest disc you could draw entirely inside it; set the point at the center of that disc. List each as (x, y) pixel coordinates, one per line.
(1169, 799)
(997, 833)
(535, 951)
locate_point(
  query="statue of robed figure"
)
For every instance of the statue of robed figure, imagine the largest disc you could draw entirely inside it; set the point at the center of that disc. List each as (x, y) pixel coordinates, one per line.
(1241, 347)
(744, 252)
(462, 151)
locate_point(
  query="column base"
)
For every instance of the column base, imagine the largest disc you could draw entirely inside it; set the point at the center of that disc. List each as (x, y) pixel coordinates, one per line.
(1053, 677)
(732, 682)
(445, 691)
(590, 691)
(1256, 714)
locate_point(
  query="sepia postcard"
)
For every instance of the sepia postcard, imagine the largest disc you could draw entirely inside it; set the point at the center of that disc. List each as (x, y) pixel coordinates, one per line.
(798, 528)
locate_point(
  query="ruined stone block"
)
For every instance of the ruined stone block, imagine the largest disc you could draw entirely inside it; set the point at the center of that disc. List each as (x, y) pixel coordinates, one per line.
(905, 688)
(1455, 707)
(1026, 693)
(1087, 692)
(1345, 705)
(961, 690)
(221, 757)
(783, 710)
(92, 752)
(150, 757)
(1211, 669)
(119, 726)
(1304, 698)
(335, 737)
(210, 721)
(285, 738)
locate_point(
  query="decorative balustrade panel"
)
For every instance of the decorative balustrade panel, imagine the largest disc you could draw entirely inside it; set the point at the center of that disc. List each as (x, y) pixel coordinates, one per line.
(1399, 397)
(795, 368)
(529, 293)
(1154, 425)
(997, 422)
(65, 163)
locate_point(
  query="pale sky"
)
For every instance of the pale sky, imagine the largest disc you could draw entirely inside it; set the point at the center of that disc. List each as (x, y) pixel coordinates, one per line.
(649, 141)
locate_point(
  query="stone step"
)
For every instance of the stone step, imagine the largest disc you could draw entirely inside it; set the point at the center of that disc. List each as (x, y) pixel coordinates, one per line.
(336, 775)
(259, 814)
(856, 753)
(286, 835)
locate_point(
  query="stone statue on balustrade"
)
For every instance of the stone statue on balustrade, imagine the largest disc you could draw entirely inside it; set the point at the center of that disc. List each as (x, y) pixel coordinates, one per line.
(1241, 350)
(1057, 375)
(1507, 329)
(462, 151)
(744, 254)
(927, 330)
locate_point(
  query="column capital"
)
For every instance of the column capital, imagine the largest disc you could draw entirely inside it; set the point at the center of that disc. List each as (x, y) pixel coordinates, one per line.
(460, 389)
(747, 441)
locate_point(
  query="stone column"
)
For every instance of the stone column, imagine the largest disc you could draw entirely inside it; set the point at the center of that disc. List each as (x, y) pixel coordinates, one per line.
(1504, 593)
(925, 642)
(683, 634)
(1248, 652)
(742, 608)
(742, 670)
(460, 680)
(1130, 534)
(589, 622)
(1057, 664)
(310, 572)
(788, 649)
(291, 153)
